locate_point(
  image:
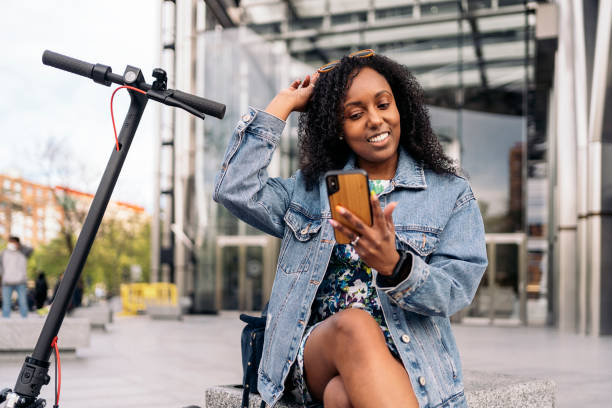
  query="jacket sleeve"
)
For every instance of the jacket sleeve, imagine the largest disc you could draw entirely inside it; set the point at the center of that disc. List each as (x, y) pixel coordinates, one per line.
(243, 186)
(448, 281)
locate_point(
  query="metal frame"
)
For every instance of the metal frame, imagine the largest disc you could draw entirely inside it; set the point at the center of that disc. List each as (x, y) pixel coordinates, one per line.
(162, 236)
(393, 23)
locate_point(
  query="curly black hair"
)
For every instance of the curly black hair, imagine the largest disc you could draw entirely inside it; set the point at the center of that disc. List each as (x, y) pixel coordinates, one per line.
(321, 124)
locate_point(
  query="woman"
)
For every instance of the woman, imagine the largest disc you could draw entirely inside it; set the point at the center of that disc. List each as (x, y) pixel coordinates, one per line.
(364, 324)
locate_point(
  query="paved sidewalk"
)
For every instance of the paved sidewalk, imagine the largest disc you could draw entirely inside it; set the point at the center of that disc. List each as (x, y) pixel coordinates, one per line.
(140, 362)
(581, 366)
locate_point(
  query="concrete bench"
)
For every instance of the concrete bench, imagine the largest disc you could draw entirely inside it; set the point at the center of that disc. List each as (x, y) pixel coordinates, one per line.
(168, 311)
(20, 335)
(483, 390)
(164, 312)
(99, 315)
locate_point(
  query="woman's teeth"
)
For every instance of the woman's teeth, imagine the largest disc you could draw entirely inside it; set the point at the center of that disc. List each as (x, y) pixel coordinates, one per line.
(379, 138)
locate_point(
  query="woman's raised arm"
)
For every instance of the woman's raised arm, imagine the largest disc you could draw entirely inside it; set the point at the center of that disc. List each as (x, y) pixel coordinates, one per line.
(243, 185)
(293, 98)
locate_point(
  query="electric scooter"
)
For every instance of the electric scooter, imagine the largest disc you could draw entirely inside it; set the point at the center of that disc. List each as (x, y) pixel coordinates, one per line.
(34, 372)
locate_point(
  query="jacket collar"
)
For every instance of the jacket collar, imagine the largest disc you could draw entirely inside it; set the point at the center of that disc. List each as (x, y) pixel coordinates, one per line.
(409, 173)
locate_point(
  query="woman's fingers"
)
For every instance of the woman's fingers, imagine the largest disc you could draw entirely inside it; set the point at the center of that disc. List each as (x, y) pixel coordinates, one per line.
(353, 220)
(388, 214)
(377, 213)
(343, 229)
(306, 81)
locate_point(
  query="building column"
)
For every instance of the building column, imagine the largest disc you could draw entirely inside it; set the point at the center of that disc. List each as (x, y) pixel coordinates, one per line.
(186, 12)
(565, 197)
(599, 216)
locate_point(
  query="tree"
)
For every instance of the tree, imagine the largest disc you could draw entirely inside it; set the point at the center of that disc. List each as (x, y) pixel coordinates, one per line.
(122, 240)
(118, 245)
(58, 163)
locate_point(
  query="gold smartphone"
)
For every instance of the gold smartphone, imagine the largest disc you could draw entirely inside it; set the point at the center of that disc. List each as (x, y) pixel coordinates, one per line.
(351, 190)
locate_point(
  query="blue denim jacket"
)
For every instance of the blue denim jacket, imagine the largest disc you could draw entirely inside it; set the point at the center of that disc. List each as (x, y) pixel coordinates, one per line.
(437, 219)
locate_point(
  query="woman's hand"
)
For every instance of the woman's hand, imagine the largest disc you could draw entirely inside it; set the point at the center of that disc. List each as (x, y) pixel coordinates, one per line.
(293, 98)
(376, 244)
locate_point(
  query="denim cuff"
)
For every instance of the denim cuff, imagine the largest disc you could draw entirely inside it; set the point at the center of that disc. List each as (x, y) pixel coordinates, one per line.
(260, 123)
(417, 276)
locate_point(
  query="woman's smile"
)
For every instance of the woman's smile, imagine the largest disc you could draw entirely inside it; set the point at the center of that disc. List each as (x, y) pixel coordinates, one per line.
(379, 138)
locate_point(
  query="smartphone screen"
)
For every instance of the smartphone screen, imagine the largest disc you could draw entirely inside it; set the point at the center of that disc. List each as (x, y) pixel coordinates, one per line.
(349, 189)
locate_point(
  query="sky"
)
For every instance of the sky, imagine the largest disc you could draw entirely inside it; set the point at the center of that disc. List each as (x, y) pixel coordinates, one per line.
(41, 105)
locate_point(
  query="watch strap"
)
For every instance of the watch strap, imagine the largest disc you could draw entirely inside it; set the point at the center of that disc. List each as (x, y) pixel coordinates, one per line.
(400, 272)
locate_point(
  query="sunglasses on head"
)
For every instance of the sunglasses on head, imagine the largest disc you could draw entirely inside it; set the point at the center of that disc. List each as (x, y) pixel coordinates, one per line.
(357, 54)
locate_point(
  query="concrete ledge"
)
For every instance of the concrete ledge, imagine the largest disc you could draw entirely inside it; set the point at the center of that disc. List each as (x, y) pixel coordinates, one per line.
(20, 335)
(230, 396)
(98, 315)
(483, 390)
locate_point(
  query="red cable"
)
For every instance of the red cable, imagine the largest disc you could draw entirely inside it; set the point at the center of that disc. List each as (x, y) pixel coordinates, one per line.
(111, 108)
(59, 370)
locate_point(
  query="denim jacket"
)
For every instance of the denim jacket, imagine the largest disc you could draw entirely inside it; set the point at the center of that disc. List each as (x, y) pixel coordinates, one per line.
(436, 219)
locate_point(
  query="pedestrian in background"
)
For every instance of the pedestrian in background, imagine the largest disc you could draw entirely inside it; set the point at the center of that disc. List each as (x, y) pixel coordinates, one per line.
(40, 290)
(13, 265)
(77, 294)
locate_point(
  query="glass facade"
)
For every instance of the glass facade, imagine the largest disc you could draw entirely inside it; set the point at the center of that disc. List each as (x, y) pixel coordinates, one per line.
(242, 70)
(475, 61)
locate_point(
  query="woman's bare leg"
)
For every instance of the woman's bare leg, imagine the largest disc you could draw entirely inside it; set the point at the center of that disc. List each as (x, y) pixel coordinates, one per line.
(335, 395)
(351, 345)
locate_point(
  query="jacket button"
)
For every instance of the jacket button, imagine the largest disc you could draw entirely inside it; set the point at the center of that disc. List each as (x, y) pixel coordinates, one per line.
(422, 381)
(246, 117)
(406, 338)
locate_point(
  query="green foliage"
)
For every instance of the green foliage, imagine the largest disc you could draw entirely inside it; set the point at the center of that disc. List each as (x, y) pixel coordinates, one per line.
(118, 246)
(51, 258)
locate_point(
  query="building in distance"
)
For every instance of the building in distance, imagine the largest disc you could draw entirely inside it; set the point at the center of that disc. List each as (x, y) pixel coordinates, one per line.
(36, 213)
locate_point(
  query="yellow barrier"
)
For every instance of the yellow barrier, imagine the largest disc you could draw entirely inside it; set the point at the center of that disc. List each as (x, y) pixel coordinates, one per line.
(136, 296)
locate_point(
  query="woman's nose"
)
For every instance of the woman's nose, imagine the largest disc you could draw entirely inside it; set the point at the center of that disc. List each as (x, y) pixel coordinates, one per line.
(374, 119)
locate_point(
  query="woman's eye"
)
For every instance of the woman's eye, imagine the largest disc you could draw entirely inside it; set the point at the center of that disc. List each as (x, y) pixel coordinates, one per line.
(384, 105)
(355, 116)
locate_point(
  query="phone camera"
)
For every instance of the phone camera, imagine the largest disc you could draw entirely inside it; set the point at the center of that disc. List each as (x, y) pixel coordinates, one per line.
(332, 184)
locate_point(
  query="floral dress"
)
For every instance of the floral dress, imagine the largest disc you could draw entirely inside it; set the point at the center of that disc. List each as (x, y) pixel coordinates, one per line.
(347, 284)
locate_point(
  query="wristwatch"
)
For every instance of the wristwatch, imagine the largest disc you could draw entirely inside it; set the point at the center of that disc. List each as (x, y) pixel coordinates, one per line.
(400, 272)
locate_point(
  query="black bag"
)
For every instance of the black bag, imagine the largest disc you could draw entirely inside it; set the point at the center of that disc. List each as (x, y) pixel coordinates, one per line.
(251, 342)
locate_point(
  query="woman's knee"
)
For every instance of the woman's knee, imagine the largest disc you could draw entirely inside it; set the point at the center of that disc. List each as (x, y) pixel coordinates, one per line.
(353, 326)
(335, 395)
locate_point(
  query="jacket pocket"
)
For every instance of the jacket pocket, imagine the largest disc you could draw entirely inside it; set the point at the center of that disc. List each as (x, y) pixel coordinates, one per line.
(421, 241)
(294, 256)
